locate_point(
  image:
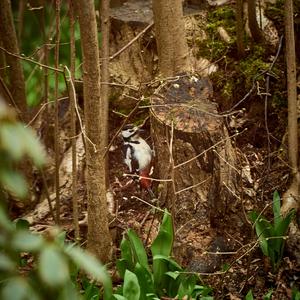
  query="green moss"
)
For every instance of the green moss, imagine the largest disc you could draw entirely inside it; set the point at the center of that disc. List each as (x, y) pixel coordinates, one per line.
(214, 47)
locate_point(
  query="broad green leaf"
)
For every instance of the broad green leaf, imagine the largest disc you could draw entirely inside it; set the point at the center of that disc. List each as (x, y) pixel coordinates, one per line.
(13, 182)
(126, 253)
(60, 237)
(92, 266)
(187, 285)
(295, 294)
(22, 224)
(161, 265)
(26, 241)
(17, 288)
(200, 290)
(276, 208)
(164, 241)
(263, 229)
(145, 280)
(5, 221)
(173, 275)
(138, 249)
(91, 291)
(282, 227)
(249, 296)
(172, 264)
(119, 297)
(32, 145)
(11, 141)
(53, 267)
(6, 263)
(68, 291)
(131, 288)
(122, 266)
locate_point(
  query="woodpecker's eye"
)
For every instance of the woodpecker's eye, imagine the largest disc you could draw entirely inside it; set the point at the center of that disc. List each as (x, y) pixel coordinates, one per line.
(131, 130)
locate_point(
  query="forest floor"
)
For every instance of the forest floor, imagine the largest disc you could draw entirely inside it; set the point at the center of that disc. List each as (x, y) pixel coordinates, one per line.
(198, 246)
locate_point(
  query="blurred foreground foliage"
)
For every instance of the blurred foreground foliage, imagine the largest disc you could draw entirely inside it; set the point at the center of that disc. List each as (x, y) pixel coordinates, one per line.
(33, 266)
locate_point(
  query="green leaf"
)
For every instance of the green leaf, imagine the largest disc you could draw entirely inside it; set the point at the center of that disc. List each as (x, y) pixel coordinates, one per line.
(138, 249)
(92, 266)
(200, 290)
(53, 267)
(276, 208)
(13, 182)
(10, 140)
(263, 229)
(17, 288)
(31, 145)
(68, 291)
(187, 285)
(249, 296)
(163, 243)
(26, 241)
(5, 221)
(295, 294)
(268, 296)
(152, 297)
(131, 289)
(22, 224)
(161, 265)
(172, 264)
(6, 263)
(119, 297)
(145, 280)
(282, 227)
(173, 275)
(126, 254)
(60, 238)
(122, 266)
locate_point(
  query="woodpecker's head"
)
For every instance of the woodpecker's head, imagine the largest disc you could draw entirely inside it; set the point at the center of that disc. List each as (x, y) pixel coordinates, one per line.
(129, 131)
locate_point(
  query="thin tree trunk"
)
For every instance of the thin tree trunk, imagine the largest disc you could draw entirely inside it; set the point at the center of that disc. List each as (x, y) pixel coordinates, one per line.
(256, 32)
(105, 28)
(240, 29)
(56, 122)
(21, 10)
(170, 37)
(291, 197)
(99, 240)
(10, 42)
(73, 123)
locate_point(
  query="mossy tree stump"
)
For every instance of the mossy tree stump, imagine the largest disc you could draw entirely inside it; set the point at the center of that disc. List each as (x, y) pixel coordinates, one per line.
(202, 161)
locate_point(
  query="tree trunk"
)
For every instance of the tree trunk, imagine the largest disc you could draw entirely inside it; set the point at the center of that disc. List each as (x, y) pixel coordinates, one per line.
(170, 37)
(10, 42)
(105, 28)
(99, 240)
(292, 194)
(240, 29)
(256, 33)
(204, 171)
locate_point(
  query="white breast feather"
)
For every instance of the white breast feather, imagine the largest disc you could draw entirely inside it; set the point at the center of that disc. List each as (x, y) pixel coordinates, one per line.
(142, 153)
(128, 159)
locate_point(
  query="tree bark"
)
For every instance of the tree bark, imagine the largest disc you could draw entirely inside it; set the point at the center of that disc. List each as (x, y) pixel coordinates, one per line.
(291, 196)
(99, 240)
(170, 37)
(204, 172)
(15, 71)
(240, 29)
(256, 32)
(105, 28)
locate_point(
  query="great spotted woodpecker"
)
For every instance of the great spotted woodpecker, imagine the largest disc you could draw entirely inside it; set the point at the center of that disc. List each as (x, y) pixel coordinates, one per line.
(138, 155)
